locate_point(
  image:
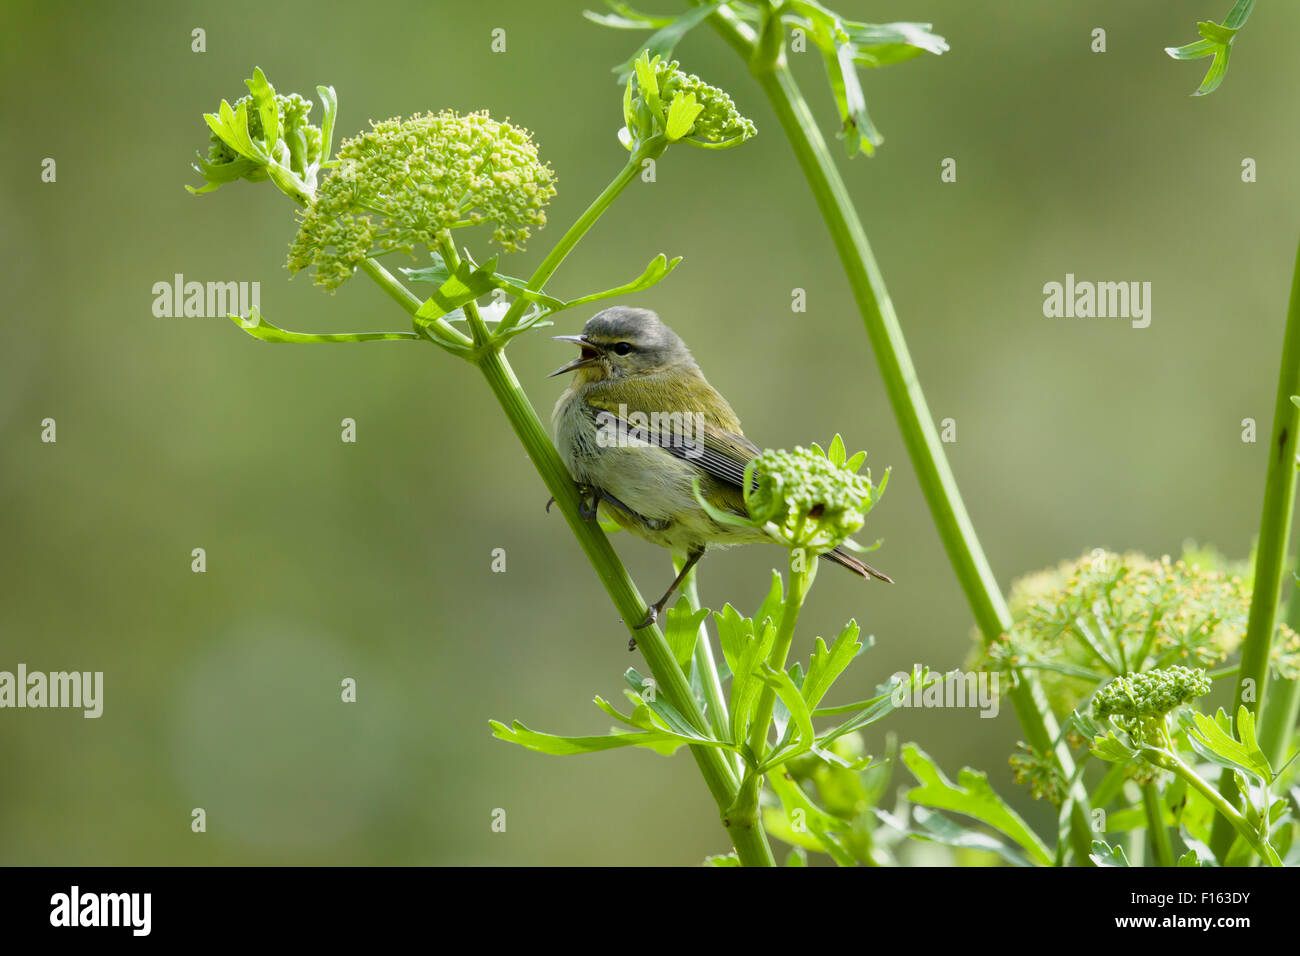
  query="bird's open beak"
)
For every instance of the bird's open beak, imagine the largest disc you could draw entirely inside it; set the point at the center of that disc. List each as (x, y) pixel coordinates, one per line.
(590, 354)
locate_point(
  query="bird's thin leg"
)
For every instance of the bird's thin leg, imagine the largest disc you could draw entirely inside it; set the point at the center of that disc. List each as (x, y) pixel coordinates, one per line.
(652, 612)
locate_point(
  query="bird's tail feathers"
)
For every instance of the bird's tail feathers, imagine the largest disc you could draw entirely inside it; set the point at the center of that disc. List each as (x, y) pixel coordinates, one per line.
(844, 559)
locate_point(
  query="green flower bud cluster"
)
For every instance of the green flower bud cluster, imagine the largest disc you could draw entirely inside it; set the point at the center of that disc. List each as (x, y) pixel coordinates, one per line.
(1150, 695)
(293, 109)
(1039, 772)
(806, 500)
(405, 183)
(266, 135)
(662, 100)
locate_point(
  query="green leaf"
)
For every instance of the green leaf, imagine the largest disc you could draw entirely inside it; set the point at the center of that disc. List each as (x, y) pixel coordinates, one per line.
(949, 832)
(745, 644)
(464, 285)
(625, 18)
(1189, 859)
(264, 100)
(729, 860)
(773, 600)
(1216, 40)
(658, 268)
(329, 102)
(836, 453)
(973, 797)
(802, 740)
(825, 666)
(722, 515)
(1111, 748)
(1211, 738)
(683, 630)
(664, 41)
(816, 825)
(1103, 854)
(517, 733)
(682, 113)
(259, 328)
(672, 720)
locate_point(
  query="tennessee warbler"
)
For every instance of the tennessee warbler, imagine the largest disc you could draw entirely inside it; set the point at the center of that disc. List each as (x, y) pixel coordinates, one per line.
(639, 424)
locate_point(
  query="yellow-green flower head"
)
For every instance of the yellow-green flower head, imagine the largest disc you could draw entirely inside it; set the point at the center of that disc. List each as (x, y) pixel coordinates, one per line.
(404, 182)
(1152, 694)
(1083, 622)
(807, 500)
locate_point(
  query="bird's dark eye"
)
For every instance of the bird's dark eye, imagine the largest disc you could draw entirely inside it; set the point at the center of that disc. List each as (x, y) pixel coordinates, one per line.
(622, 348)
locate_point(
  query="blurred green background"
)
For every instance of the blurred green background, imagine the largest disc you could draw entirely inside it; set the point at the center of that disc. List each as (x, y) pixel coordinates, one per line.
(372, 560)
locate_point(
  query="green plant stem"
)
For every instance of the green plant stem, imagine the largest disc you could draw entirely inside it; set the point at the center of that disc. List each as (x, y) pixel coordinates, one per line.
(1171, 762)
(1270, 554)
(705, 663)
(1156, 825)
(904, 389)
(1281, 709)
(746, 806)
(649, 149)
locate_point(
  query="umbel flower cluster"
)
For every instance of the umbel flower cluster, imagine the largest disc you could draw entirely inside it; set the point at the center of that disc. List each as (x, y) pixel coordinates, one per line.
(404, 183)
(1105, 615)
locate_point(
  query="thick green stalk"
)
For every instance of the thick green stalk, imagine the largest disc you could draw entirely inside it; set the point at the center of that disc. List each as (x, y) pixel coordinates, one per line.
(650, 149)
(746, 805)
(1170, 761)
(1281, 709)
(1156, 825)
(905, 395)
(1270, 553)
(704, 662)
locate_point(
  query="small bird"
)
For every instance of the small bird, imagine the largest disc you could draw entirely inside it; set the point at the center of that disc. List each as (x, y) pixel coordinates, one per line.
(638, 424)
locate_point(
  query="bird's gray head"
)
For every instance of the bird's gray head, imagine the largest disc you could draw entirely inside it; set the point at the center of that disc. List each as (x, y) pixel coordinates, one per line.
(623, 341)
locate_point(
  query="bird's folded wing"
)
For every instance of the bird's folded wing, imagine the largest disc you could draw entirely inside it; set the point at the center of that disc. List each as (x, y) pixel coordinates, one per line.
(714, 450)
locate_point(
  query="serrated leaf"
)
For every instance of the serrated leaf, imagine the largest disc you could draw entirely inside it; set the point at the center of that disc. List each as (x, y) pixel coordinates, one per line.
(670, 718)
(259, 327)
(973, 797)
(1211, 740)
(826, 665)
(789, 695)
(949, 832)
(1103, 854)
(773, 600)
(683, 630)
(1111, 748)
(654, 272)
(663, 41)
(517, 733)
(682, 113)
(264, 100)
